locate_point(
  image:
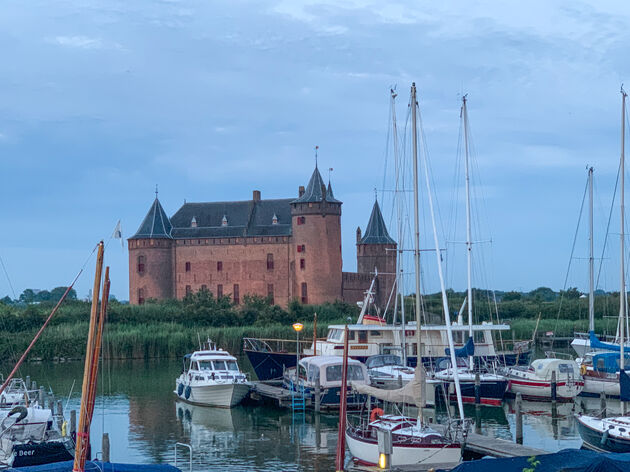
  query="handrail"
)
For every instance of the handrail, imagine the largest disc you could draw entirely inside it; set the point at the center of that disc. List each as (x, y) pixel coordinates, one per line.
(190, 462)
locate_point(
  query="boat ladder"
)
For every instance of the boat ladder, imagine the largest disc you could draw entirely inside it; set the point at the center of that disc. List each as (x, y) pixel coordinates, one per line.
(298, 397)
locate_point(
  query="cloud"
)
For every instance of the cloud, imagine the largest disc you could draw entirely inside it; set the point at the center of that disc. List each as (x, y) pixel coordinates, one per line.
(83, 42)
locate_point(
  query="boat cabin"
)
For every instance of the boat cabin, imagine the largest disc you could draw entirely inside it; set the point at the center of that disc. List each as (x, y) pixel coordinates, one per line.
(328, 369)
(211, 362)
(543, 368)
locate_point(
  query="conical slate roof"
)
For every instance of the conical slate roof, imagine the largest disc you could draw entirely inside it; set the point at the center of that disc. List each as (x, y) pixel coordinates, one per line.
(155, 225)
(314, 193)
(376, 231)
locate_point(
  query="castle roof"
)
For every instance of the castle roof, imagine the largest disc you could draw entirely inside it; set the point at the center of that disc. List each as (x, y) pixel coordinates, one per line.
(244, 218)
(155, 225)
(316, 190)
(376, 231)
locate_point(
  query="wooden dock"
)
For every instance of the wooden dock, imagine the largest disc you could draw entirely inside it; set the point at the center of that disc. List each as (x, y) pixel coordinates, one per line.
(272, 392)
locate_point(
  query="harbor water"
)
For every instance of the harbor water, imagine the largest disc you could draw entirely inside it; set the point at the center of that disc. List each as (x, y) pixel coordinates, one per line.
(136, 406)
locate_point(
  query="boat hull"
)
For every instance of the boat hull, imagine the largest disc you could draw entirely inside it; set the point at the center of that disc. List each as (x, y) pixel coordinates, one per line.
(594, 439)
(218, 395)
(40, 453)
(491, 393)
(366, 452)
(594, 387)
(541, 390)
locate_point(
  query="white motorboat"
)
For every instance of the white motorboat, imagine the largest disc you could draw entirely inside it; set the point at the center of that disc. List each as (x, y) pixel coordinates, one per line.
(15, 393)
(211, 377)
(535, 381)
(387, 371)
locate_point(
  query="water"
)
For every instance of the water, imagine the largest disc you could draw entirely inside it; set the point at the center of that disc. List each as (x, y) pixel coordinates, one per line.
(136, 406)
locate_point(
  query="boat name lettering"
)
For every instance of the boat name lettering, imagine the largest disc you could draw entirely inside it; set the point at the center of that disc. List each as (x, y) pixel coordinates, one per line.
(358, 346)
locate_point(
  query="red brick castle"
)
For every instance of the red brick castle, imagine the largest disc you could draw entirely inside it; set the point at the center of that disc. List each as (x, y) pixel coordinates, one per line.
(281, 248)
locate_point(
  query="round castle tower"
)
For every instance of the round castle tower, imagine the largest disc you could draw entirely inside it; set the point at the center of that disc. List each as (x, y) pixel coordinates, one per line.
(316, 222)
(151, 258)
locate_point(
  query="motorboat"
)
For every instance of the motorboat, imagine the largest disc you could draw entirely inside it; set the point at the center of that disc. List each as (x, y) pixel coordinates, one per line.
(604, 434)
(327, 372)
(15, 393)
(411, 443)
(535, 381)
(388, 371)
(211, 377)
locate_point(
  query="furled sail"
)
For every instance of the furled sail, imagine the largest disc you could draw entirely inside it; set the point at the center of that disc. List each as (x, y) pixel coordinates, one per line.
(412, 393)
(465, 351)
(597, 344)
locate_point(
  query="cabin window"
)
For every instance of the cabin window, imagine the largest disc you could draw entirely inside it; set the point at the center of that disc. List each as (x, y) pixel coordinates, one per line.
(363, 336)
(304, 293)
(270, 293)
(565, 368)
(236, 295)
(302, 372)
(141, 262)
(219, 266)
(336, 335)
(350, 335)
(479, 337)
(313, 373)
(600, 365)
(187, 266)
(140, 296)
(333, 373)
(301, 220)
(219, 290)
(302, 263)
(269, 261)
(375, 334)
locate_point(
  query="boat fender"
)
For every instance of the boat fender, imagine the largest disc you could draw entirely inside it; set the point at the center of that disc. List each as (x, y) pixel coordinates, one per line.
(583, 369)
(180, 389)
(604, 438)
(187, 392)
(376, 413)
(64, 428)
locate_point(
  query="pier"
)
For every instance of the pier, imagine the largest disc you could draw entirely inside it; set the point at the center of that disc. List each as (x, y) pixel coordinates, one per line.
(272, 392)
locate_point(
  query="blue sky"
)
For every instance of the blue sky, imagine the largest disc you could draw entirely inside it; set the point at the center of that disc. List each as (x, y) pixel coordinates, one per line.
(99, 101)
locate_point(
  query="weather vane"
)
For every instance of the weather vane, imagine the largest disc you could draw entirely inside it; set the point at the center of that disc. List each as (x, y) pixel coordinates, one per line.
(316, 148)
(156, 190)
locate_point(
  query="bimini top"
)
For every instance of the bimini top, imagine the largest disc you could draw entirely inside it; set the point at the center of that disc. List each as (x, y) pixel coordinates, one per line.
(329, 370)
(544, 367)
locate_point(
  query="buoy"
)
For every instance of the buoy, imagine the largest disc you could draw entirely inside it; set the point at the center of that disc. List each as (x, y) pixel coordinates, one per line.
(376, 413)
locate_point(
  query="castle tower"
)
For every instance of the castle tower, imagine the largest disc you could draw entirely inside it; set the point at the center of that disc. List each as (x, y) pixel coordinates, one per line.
(316, 221)
(151, 258)
(377, 250)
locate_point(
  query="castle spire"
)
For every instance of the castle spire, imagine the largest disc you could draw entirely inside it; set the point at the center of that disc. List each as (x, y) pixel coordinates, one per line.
(156, 225)
(376, 231)
(316, 190)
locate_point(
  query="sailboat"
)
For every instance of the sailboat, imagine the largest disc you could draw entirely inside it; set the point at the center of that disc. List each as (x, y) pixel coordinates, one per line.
(613, 434)
(492, 387)
(413, 441)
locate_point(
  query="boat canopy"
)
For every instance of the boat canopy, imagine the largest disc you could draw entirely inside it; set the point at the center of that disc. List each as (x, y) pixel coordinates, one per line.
(412, 393)
(329, 370)
(544, 367)
(597, 344)
(465, 351)
(608, 362)
(211, 355)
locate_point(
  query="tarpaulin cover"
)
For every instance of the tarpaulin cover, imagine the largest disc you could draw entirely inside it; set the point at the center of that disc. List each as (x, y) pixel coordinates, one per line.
(97, 466)
(609, 362)
(466, 350)
(573, 460)
(597, 344)
(624, 386)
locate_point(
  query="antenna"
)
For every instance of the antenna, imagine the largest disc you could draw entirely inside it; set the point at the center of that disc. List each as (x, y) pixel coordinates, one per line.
(330, 169)
(316, 148)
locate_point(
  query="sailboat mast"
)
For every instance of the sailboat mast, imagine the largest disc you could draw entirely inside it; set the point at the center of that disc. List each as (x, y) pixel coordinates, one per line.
(447, 316)
(416, 214)
(399, 259)
(591, 294)
(622, 292)
(468, 230)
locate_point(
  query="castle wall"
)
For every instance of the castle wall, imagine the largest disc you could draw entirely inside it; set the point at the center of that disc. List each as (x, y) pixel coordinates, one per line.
(354, 286)
(229, 261)
(383, 258)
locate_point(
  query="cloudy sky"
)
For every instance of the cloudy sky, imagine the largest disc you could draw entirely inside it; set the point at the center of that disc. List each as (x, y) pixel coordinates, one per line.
(100, 101)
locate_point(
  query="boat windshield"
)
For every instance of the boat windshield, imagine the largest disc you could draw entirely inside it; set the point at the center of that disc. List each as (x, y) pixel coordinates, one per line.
(232, 365)
(335, 335)
(333, 373)
(205, 365)
(381, 361)
(219, 365)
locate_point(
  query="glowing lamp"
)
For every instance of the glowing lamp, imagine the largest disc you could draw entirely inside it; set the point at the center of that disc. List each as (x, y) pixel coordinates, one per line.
(298, 327)
(383, 461)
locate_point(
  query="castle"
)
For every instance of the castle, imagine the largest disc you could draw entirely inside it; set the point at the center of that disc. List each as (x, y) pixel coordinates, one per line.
(283, 249)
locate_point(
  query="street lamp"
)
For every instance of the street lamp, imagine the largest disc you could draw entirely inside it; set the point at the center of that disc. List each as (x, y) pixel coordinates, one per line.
(297, 327)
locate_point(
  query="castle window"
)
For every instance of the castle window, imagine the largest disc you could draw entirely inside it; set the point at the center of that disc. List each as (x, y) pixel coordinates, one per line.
(219, 266)
(236, 295)
(187, 266)
(304, 293)
(270, 293)
(219, 290)
(141, 262)
(269, 261)
(302, 264)
(301, 248)
(188, 290)
(140, 295)
(204, 288)
(301, 220)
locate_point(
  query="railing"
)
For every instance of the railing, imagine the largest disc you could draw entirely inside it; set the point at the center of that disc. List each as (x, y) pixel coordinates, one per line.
(189, 447)
(285, 346)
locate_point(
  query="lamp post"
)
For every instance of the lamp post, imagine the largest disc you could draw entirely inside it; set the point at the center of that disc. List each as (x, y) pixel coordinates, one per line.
(297, 327)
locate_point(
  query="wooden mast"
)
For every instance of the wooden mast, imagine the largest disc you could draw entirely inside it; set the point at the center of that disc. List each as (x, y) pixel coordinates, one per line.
(83, 432)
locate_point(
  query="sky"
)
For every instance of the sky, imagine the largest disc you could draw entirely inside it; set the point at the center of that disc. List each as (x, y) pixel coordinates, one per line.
(102, 100)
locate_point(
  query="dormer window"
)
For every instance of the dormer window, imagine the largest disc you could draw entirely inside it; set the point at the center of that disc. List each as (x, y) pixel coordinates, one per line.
(193, 222)
(274, 220)
(224, 221)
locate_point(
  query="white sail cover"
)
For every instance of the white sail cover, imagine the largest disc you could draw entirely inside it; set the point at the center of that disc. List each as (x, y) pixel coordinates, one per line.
(412, 393)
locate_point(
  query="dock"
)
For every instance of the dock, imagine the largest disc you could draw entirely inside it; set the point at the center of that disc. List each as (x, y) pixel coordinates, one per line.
(272, 392)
